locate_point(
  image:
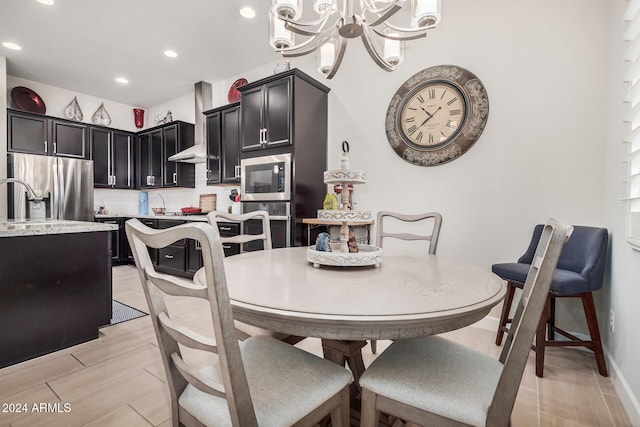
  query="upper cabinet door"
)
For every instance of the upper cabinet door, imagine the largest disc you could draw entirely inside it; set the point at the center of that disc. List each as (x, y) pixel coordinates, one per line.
(170, 145)
(230, 145)
(277, 112)
(251, 119)
(101, 156)
(28, 133)
(214, 127)
(69, 139)
(122, 159)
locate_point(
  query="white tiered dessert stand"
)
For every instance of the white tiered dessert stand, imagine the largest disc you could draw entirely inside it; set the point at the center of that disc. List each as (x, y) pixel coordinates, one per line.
(341, 257)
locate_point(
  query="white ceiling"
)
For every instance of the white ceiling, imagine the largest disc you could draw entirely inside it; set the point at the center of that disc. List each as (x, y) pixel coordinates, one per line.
(83, 45)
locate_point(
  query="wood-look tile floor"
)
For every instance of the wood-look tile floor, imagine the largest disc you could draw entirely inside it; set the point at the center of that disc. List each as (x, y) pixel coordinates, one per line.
(118, 379)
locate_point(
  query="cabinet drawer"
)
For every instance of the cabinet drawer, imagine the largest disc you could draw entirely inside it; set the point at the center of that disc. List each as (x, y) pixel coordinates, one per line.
(228, 229)
(172, 258)
(231, 248)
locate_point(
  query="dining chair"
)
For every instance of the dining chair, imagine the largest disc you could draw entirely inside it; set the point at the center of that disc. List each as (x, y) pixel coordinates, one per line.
(435, 381)
(580, 272)
(244, 330)
(432, 222)
(259, 381)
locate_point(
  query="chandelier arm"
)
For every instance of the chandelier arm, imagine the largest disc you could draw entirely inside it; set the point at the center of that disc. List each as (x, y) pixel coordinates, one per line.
(383, 16)
(305, 48)
(318, 27)
(339, 55)
(369, 6)
(400, 33)
(377, 58)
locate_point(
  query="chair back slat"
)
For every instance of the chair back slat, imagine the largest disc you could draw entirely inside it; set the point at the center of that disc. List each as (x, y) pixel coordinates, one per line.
(214, 217)
(157, 285)
(525, 322)
(186, 336)
(431, 238)
(201, 382)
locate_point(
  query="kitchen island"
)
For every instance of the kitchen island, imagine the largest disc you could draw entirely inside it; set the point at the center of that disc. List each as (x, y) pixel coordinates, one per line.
(55, 290)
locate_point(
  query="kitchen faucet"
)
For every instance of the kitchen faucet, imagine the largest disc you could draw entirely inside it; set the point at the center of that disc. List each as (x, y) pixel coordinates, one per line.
(34, 196)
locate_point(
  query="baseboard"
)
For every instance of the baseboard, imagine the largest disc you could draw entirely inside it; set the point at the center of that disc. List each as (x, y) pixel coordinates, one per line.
(626, 395)
(629, 400)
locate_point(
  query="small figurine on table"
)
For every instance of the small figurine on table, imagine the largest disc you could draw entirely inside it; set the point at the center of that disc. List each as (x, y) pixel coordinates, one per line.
(353, 245)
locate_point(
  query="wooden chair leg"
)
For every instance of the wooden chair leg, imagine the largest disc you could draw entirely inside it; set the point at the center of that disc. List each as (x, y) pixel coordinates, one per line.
(541, 339)
(594, 331)
(369, 417)
(506, 308)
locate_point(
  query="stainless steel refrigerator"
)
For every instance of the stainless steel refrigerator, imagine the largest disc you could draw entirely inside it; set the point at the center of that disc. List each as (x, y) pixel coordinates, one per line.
(65, 184)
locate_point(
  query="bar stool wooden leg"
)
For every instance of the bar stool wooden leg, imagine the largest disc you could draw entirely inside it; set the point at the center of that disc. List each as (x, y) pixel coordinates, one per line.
(541, 338)
(594, 331)
(506, 308)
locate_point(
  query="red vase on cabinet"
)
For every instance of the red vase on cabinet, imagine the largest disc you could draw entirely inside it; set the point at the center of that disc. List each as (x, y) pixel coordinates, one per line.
(138, 117)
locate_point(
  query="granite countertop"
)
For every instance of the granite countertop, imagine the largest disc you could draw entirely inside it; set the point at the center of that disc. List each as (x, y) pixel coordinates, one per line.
(32, 227)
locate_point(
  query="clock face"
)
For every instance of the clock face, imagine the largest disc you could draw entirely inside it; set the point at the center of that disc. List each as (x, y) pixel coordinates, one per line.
(437, 115)
(432, 115)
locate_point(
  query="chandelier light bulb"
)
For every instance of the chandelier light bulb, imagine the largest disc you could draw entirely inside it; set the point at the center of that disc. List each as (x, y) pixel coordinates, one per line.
(426, 13)
(288, 9)
(281, 38)
(393, 50)
(326, 57)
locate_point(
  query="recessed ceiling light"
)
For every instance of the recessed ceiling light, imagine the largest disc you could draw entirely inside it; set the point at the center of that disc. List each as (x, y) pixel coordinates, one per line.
(47, 2)
(170, 53)
(247, 12)
(12, 46)
(122, 80)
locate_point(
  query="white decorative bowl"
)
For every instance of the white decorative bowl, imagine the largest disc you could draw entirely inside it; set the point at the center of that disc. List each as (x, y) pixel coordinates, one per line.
(344, 215)
(341, 176)
(367, 255)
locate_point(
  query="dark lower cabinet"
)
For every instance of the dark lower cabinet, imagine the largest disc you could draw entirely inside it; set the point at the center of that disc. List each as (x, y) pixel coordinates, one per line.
(182, 258)
(229, 229)
(56, 296)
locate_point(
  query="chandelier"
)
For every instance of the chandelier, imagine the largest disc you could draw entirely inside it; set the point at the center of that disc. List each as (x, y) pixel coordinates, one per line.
(380, 24)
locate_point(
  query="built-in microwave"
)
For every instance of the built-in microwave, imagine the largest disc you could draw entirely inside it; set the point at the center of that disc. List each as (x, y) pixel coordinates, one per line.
(266, 178)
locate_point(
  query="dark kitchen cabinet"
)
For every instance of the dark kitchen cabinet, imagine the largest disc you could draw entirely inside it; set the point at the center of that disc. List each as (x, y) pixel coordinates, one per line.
(38, 134)
(229, 229)
(149, 160)
(116, 238)
(194, 256)
(172, 258)
(288, 113)
(155, 146)
(223, 136)
(112, 155)
(266, 115)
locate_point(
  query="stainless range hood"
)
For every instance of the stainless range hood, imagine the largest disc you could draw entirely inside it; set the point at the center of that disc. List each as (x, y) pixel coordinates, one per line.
(197, 153)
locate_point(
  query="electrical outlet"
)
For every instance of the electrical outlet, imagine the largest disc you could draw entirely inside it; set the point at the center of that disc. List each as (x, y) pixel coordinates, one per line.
(611, 320)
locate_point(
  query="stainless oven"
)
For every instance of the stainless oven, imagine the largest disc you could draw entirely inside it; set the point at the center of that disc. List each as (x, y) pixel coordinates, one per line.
(279, 221)
(266, 178)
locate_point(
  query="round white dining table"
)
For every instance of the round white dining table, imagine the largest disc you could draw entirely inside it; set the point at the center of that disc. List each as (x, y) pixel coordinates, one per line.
(410, 294)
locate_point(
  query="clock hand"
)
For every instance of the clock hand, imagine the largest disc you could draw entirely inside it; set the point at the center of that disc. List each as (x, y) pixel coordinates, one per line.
(422, 108)
(430, 115)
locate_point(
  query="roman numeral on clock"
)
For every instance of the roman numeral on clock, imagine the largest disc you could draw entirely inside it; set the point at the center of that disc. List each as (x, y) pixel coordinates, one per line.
(412, 129)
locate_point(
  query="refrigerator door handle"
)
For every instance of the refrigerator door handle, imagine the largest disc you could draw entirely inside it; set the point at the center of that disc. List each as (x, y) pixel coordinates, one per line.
(58, 193)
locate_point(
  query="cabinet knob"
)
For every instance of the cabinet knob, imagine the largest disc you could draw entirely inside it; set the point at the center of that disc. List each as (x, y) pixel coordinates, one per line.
(175, 177)
(168, 256)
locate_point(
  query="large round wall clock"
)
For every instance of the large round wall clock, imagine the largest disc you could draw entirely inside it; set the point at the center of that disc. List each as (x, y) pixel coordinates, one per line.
(437, 115)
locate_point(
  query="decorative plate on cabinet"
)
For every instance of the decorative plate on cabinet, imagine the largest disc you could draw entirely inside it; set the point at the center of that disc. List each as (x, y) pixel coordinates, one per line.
(234, 94)
(27, 100)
